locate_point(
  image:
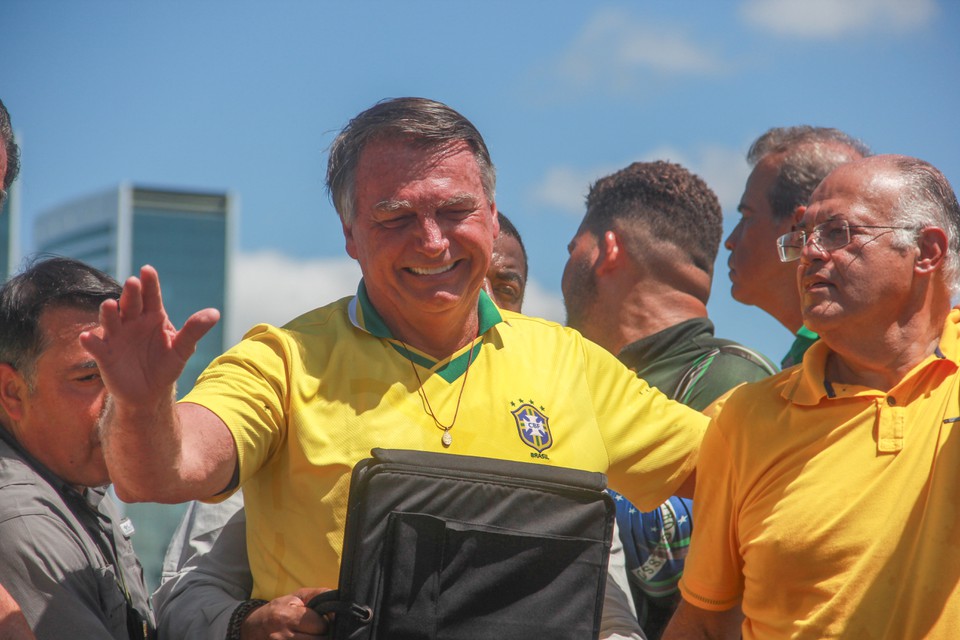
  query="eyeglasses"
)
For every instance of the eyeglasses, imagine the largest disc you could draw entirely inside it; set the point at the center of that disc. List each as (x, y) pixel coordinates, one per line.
(828, 236)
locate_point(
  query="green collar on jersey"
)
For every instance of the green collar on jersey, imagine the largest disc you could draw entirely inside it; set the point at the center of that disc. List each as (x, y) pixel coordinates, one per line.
(365, 317)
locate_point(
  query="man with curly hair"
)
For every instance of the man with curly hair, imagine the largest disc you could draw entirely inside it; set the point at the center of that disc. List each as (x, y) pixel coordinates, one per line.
(637, 283)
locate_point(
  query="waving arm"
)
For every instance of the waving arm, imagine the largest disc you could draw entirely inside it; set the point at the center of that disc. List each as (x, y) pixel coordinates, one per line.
(156, 450)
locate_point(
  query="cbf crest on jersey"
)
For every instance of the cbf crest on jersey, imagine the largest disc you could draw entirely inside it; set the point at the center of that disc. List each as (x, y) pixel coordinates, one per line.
(533, 426)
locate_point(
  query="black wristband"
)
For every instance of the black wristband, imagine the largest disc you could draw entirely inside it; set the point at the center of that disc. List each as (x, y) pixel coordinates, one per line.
(240, 614)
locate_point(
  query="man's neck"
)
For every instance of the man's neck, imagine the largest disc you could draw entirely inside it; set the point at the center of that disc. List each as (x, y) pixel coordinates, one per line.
(438, 334)
(787, 312)
(880, 362)
(643, 313)
(438, 340)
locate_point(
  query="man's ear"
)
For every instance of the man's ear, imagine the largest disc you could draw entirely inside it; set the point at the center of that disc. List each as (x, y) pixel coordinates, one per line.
(12, 390)
(797, 216)
(932, 250)
(348, 238)
(610, 252)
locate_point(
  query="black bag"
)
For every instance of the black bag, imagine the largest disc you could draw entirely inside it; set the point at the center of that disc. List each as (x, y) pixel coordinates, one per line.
(444, 546)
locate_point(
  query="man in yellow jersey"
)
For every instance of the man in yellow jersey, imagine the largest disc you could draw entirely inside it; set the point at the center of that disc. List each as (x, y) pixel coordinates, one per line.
(826, 502)
(419, 359)
(206, 574)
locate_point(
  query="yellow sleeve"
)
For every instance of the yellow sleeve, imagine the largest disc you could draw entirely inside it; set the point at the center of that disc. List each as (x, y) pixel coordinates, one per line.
(247, 388)
(713, 574)
(652, 442)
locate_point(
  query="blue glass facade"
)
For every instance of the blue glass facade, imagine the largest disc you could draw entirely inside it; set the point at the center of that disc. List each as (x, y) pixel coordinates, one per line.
(186, 236)
(189, 252)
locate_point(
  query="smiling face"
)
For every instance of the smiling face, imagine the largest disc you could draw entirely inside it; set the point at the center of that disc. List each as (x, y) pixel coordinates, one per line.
(757, 277)
(423, 233)
(869, 282)
(56, 416)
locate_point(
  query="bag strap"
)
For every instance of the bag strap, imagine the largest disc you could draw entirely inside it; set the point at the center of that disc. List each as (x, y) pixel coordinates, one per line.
(330, 602)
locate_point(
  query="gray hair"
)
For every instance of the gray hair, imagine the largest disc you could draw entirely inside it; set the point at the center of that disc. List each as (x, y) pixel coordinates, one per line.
(927, 200)
(417, 121)
(809, 154)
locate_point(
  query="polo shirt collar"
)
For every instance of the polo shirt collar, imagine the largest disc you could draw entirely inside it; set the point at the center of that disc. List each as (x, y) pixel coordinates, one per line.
(808, 384)
(803, 332)
(364, 316)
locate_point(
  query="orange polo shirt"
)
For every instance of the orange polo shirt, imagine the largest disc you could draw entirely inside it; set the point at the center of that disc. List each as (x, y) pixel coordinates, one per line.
(834, 510)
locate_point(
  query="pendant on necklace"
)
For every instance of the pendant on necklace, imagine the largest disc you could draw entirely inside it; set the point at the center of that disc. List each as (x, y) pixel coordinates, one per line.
(447, 439)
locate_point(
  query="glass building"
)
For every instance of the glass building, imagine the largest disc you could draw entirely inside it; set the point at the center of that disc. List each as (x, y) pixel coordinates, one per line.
(10, 233)
(188, 237)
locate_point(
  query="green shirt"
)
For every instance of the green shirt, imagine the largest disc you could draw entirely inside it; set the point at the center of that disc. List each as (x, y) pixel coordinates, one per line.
(689, 364)
(801, 343)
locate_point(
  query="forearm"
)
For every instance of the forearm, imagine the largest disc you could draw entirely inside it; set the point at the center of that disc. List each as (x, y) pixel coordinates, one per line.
(200, 590)
(142, 447)
(693, 623)
(151, 452)
(162, 453)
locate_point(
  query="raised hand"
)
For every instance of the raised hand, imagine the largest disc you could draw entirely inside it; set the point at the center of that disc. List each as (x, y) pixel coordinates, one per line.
(151, 454)
(141, 354)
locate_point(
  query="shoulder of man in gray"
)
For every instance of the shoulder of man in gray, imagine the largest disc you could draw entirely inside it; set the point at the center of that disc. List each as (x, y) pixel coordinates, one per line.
(206, 573)
(69, 560)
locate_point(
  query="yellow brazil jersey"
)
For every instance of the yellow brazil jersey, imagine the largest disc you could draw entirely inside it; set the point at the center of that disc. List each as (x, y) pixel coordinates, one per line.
(307, 401)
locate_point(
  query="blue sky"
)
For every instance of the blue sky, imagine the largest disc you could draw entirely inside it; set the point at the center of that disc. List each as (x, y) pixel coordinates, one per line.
(246, 96)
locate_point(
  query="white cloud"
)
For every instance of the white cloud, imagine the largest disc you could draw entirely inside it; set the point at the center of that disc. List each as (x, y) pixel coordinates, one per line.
(828, 19)
(564, 188)
(539, 302)
(725, 170)
(270, 287)
(614, 49)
